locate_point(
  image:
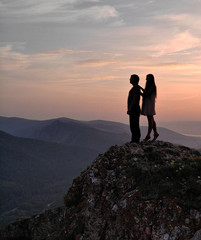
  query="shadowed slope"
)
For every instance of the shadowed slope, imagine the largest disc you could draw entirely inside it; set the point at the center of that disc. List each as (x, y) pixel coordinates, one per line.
(34, 174)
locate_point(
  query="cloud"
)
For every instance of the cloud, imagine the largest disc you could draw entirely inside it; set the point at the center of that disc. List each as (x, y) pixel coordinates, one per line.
(21, 8)
(56, 65)
(65, 65)
(188, 20)
(95, 13)
(187, 98)
(96, 62)
(12, 61)
(58, 11)
(180, 42)
(159, 66)
(17, 46)
(184, 82)
(100, 13)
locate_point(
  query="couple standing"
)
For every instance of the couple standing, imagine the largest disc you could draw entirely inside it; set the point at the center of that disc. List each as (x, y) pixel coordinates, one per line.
(148, 106)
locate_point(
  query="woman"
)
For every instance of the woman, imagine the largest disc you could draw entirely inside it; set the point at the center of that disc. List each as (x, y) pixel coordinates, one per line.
(148, 106)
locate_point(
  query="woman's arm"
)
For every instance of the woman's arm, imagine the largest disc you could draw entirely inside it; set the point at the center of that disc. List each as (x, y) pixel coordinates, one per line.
(141, 88)
(141, 93)
(148, 92)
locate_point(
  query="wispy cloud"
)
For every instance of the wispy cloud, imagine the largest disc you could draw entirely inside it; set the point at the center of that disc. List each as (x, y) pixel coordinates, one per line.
(187, 98)
(188, 21)
(180, 42)
(96, 62)
(12, 61)
(58, 11)
(97, 13)
(56, 65)
(63, 65)
(33, 7)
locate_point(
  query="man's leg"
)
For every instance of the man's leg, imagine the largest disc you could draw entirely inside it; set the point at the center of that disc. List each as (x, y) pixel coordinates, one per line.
(131, 120)
(135, 127)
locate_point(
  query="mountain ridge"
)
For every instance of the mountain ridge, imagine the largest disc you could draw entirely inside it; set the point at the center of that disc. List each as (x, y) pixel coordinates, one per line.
(117, 132)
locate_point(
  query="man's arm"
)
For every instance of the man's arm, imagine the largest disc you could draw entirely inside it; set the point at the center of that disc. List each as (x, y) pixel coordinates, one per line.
(132, 104)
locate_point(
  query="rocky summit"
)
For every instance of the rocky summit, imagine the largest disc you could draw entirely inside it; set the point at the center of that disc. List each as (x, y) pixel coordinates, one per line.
(145, 191)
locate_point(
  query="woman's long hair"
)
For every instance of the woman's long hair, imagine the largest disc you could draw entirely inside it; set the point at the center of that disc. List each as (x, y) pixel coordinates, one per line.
(150, 85)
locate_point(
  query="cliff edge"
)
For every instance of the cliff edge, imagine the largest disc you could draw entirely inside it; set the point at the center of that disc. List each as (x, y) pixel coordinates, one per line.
(136, 191)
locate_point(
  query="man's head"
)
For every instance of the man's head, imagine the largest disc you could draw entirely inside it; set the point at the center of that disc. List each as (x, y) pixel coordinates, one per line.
(134, 79)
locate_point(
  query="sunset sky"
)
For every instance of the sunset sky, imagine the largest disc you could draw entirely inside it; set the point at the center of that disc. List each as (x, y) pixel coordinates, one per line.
(74, 58)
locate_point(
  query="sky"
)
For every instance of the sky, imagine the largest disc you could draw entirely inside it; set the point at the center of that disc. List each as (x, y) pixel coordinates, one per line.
(74, 58)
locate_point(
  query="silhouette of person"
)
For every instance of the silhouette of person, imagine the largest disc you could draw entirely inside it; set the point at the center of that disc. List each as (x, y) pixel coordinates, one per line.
(148, 105)
(133, 104)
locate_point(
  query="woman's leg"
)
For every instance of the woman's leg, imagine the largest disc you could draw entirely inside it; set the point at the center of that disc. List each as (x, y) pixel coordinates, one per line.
(150, 127)
(155, 130)
(154, 126)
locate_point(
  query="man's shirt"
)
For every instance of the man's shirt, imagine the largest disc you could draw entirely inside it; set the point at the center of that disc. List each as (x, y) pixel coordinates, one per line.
(134, 93)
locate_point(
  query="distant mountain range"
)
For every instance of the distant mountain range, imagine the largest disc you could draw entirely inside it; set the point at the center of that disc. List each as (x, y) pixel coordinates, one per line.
(184, 127)
(39, 159)
(97, 135)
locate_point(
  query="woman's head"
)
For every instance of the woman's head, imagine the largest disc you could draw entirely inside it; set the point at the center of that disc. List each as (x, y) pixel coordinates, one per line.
(150, 78)
(150, 84)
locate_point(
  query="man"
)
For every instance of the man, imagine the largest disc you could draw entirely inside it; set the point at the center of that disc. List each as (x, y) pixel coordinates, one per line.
(134, 108)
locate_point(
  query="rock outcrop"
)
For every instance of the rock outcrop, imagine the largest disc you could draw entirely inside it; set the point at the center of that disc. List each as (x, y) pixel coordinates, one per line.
(135, 191)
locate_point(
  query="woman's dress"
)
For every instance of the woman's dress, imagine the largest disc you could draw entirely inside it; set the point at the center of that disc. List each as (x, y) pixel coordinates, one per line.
(148, 105)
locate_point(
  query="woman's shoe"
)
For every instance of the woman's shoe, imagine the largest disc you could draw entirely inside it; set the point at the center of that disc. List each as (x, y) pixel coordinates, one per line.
(146, 139)
(155, 137)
